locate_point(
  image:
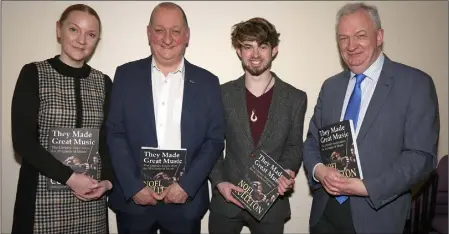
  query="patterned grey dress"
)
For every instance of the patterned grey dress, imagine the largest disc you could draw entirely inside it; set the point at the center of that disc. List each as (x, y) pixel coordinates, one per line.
(65, 97)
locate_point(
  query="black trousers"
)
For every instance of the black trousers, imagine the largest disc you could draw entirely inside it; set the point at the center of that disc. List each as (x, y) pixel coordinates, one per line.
(219, 224)
(150, 223)
(336, 218)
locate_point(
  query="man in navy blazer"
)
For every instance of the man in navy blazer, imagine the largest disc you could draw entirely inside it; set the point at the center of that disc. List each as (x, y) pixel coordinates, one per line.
(166, 102)
(397, 127)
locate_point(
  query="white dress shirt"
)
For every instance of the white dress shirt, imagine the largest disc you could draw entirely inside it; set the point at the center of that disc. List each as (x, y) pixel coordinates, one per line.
(368, 86)
(167, 100)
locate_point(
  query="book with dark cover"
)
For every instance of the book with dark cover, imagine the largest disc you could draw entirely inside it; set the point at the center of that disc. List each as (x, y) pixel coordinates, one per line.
(338, 148)
(259, 182)
(162, 167)
(76, 148)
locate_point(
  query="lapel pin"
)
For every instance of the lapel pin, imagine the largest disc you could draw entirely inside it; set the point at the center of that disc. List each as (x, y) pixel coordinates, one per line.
(191, 81)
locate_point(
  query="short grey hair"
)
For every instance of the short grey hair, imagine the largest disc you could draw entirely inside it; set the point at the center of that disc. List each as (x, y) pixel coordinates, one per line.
(351, 8)
(169, 5)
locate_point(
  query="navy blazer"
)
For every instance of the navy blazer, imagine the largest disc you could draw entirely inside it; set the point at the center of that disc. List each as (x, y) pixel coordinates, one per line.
(131, 125)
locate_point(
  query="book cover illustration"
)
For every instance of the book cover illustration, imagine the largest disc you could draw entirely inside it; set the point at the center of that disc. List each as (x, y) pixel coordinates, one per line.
(259, 182)
(76, 148)
(339, 150)
(162, 167)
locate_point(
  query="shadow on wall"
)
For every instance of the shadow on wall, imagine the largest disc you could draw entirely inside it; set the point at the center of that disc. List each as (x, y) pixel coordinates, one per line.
(18, 158)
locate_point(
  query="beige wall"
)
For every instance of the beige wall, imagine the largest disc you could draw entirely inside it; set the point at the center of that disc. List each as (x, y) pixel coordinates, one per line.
(416, 33)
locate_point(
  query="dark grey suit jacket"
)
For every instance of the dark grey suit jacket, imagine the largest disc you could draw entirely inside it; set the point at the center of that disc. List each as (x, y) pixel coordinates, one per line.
(282, 139)
(397, 143)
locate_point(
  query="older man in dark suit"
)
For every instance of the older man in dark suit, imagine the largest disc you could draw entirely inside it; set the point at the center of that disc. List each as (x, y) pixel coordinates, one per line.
(395, 112)
(164, 101)
(261, 112)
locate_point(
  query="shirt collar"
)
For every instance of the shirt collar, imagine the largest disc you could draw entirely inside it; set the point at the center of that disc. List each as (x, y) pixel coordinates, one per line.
(180, 68)
(373, 71)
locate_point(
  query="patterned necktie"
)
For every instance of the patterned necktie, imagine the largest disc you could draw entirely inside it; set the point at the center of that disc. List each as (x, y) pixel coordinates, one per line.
(352, 112)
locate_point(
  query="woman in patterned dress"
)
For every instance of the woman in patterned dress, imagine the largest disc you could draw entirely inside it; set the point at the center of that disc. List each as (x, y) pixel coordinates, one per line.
(61, 92)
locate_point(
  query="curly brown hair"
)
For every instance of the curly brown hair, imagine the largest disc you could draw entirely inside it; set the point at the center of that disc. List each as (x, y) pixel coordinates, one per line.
(255, 29)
